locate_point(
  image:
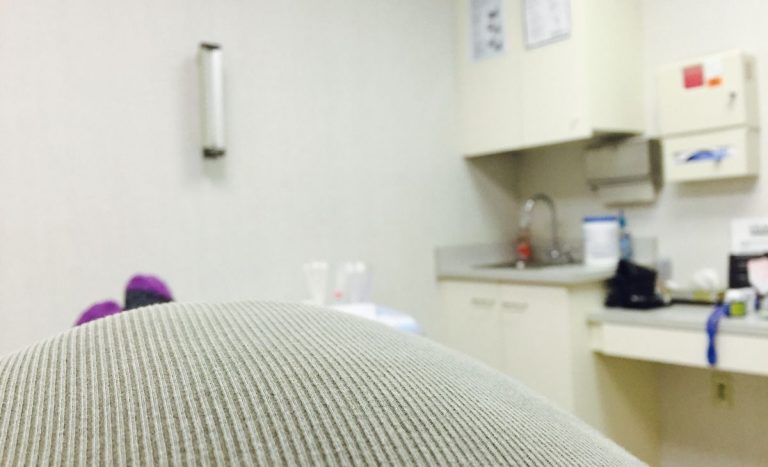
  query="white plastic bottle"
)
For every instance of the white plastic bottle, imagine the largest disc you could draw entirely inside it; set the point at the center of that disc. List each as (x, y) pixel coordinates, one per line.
(601, 241)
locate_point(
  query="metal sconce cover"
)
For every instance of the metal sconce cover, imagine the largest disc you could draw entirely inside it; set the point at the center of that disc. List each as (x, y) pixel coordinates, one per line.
(212, 99)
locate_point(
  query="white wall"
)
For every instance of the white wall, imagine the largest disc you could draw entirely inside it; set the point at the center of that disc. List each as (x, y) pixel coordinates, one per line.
(341, 146)
(691, 223)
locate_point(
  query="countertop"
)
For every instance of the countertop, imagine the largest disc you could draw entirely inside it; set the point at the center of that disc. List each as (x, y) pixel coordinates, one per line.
(463, 263)
(686, 317)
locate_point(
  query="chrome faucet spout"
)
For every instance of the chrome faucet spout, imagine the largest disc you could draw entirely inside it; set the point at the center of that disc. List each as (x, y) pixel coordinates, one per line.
(555, 252)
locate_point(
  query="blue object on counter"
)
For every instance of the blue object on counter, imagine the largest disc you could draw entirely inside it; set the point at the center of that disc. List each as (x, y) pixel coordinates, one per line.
(600, 219)
(398, 320)
(713, 323)
(625, 238)
(387, 316)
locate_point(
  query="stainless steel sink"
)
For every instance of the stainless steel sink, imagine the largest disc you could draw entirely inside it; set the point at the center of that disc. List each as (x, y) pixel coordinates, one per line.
(519, 265)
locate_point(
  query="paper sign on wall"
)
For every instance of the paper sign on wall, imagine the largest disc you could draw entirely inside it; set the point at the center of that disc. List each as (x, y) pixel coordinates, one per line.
(487, 28)
(710, 73)
(713, 72)
(749, 236)
(546, 21)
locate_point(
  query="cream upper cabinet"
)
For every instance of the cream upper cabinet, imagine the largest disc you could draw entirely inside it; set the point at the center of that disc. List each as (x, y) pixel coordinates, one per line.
(580, 86)
(490, 89)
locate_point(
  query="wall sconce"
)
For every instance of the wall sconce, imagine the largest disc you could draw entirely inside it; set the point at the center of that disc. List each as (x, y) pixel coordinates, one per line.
(212, 99)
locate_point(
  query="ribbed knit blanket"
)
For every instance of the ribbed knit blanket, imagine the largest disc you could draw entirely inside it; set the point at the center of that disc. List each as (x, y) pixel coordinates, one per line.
(272, 384)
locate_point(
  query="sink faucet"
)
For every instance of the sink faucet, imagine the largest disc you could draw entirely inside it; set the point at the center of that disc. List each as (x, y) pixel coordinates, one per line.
(523, 248)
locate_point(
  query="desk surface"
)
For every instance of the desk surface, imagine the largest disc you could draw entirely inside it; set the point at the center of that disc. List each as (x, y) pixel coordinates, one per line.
(689, 317)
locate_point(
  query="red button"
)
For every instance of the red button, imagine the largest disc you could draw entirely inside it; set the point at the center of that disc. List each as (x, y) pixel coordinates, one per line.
(693, 76)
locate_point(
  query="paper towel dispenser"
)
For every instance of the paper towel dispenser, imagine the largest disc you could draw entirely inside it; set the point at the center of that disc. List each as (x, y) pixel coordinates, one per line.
(626, 171)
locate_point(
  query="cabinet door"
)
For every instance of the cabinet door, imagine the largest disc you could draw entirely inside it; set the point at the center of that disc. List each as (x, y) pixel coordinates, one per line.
(469, 320)
(536, 339)
(555, 88)
(490, 114)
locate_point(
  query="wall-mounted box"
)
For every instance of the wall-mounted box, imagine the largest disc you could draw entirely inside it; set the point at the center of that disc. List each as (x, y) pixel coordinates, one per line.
(712, 155)
(709, 117)
(587, 82)
(708, 93)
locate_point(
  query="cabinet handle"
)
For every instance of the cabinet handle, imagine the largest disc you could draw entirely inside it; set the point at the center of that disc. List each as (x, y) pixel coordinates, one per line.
(482, 302)
(517, 307)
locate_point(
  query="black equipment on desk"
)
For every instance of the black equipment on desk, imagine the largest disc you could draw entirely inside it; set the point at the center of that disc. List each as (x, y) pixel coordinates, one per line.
(633, 286)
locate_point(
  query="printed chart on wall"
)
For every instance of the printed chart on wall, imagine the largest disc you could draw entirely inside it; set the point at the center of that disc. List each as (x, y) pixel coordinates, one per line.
(487, 28)
(546, 21)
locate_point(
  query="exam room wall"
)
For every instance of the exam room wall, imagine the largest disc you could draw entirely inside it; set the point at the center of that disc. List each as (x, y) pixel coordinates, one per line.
(691, 223)
(341, 146)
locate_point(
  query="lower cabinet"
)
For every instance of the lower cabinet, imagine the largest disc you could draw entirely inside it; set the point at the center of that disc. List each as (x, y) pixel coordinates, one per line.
(539, 335)
(471, 323)
(535, 339)
(520, 330)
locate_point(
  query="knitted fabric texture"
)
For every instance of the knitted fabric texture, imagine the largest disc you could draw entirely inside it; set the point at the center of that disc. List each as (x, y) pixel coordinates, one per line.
(272, 384)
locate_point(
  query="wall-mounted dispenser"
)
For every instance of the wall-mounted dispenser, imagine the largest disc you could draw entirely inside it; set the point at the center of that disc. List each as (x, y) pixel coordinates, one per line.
(709, 117)
(624, 172)
(212, 99)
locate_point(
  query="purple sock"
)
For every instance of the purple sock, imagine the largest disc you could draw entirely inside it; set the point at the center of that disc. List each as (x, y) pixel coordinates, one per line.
(99, 310)
(146, 290)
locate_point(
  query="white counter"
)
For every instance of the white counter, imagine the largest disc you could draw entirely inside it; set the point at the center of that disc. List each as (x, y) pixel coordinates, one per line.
(466, 263)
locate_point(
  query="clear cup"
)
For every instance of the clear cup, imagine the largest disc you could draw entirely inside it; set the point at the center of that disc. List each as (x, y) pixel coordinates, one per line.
(353, 282)
(316, 274)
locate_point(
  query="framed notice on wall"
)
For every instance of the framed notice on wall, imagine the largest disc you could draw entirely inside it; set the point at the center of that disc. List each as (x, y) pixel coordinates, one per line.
(546, 21)
(487, 28)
